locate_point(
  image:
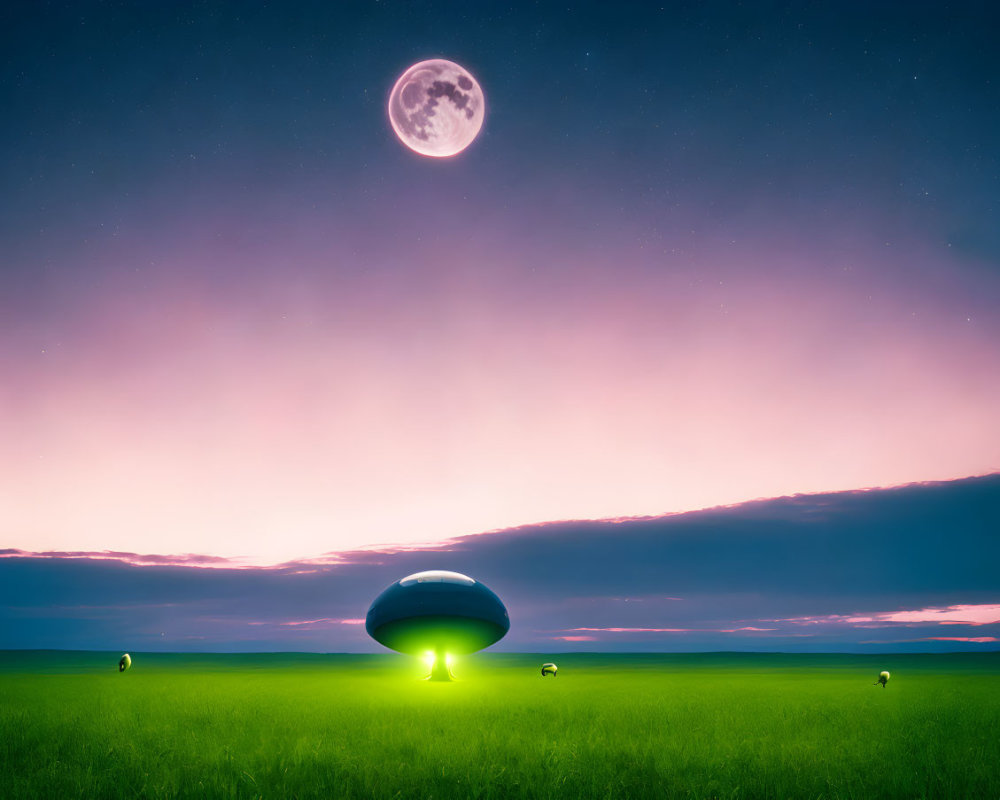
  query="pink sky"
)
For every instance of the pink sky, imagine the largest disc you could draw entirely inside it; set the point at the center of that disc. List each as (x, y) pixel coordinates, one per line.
(283, 420)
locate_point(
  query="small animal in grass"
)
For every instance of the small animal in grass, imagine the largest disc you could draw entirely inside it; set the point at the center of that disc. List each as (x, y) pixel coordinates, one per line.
(549, 669)
(883, 678)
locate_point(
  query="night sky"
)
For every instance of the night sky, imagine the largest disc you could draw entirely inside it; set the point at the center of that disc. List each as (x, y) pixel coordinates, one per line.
(699, 254)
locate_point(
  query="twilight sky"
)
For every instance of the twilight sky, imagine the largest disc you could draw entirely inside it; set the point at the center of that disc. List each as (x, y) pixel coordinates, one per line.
(699, 254)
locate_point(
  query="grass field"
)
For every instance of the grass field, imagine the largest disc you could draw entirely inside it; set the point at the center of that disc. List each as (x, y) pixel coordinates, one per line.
(699, 726)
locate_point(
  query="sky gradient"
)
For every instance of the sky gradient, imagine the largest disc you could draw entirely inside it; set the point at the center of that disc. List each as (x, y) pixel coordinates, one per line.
(698, 255)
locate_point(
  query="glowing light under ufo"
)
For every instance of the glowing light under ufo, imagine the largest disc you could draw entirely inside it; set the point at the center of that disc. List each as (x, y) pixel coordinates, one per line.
(437, 615)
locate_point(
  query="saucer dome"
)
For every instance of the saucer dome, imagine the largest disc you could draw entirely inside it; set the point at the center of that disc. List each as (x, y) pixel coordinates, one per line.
(439, 611)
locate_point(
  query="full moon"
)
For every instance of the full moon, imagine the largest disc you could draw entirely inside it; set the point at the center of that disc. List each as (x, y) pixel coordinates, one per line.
(436, 108)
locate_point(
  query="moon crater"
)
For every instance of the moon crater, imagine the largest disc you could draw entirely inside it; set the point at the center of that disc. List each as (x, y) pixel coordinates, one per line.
(436, 108)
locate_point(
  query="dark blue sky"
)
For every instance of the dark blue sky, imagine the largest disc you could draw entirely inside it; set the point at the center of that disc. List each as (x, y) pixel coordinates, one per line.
(844, 110)
(700, 253)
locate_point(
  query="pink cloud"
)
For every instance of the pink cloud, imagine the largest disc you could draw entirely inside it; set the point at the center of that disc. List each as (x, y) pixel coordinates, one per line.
(634, 630)
(318, 621)
(748, 628)
(960, 639)
(967, 614)
(135, 559)
(324, 621)
(576, 638)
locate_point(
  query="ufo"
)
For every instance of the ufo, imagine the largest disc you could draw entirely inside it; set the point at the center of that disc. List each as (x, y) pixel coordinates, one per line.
(437, 614)
(125, 662)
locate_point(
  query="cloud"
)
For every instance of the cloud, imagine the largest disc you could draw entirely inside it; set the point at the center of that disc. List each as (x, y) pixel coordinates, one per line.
(979, 639)
(795, 572)
(742, 629)
(320, 621)
(636, 630)
(749, 628)
(136, 559)
(963, 614)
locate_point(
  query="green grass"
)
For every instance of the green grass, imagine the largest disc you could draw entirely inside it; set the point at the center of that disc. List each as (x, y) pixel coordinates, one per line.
(609, 726)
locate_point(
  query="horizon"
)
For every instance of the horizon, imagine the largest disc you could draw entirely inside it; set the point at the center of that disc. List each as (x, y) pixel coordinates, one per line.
(499, 654)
